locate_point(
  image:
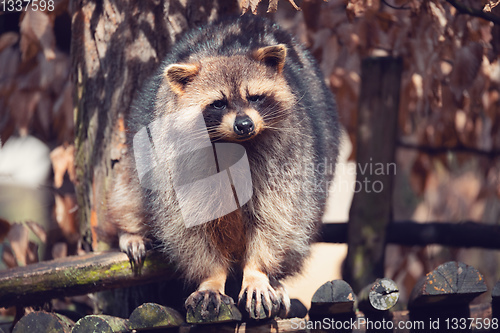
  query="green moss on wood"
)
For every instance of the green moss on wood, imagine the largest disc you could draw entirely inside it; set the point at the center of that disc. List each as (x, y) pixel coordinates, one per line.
(151, 315)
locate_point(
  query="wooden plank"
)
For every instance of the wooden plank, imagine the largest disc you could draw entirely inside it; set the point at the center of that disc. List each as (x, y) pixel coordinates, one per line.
(371, 209)
(452, 284)
(38, 283)
(463, 234)
(410, 233)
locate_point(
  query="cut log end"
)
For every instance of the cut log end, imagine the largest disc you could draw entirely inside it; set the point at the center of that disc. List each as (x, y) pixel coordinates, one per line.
(453, 283)
(227, 313)
(151, 315)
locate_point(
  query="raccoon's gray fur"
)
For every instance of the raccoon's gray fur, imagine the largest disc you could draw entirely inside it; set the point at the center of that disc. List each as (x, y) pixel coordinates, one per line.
(257, 87)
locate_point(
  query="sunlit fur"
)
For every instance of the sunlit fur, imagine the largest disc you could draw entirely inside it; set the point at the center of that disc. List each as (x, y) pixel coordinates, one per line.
(295, 124)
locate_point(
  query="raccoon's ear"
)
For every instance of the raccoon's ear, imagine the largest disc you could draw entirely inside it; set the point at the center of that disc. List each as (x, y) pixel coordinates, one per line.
(178, 75)
(273, 56)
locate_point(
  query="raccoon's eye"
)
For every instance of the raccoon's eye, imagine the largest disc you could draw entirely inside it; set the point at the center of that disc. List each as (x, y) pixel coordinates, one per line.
(219, 105)
(255, 98)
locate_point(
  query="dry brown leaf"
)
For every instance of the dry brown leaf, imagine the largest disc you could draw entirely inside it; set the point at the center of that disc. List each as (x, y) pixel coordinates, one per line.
(38, 230)
(18, 238)
(30, 78)
(65, 213)
(358, 8)
(22, 105)
(419, 173)
(294, 5)
(8, 257)
(490, 5)
(273, 6)
(37, 34)
(466, 66)
(438, 12)
(4, 228)
(249, 4)
(63, 161)
(254, 4)
(8, 39)
(32, 253)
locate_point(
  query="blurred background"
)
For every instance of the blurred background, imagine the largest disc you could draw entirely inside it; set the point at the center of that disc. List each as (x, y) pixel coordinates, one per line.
(448, 151)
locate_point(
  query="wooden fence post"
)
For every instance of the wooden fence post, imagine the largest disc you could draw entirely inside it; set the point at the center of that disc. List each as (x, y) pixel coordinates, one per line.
(371, 209)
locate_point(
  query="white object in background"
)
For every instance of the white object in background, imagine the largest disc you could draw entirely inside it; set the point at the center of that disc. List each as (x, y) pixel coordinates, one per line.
(24, 161)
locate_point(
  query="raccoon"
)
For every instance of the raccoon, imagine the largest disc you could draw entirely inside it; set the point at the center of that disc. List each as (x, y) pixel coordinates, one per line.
(254, 86)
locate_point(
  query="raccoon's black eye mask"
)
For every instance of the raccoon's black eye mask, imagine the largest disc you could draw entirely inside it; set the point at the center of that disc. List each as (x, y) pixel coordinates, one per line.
(255, 98)
(220, 104)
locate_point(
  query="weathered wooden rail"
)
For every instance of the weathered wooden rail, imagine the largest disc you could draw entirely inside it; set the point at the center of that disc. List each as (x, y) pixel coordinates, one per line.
(101, 271)
(410, 233)
(440, 302)
(77, 275)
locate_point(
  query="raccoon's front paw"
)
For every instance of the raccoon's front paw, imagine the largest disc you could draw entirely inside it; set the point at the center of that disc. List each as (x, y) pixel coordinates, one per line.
(283, 298)
(261, 301)
(135, 247)
(207, 303)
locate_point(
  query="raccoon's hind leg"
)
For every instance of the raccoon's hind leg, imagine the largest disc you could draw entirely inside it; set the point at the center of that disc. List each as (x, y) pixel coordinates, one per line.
(125, 212)
(262, 297)
(209, 296)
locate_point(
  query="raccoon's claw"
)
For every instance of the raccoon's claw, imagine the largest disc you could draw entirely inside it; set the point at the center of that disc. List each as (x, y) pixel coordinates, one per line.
(283, 298)
(135, 248)
(207, 302)
(261, 301)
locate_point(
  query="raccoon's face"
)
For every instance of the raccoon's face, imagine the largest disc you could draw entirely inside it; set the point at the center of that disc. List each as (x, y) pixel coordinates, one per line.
(240, 95)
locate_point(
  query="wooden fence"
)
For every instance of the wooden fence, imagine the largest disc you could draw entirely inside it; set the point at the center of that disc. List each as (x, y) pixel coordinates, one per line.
(440, 302)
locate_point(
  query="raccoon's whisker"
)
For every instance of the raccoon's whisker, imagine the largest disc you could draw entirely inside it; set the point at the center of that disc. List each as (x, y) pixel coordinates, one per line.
(203, 130)
(288, 130)
(221, 137)
(302, 97)
(274, 108)
(292, 130)
(274, 115)
(200, 133)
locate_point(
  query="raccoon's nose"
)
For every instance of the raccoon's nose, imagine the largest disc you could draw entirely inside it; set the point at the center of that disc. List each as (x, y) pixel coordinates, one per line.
(243, 125)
